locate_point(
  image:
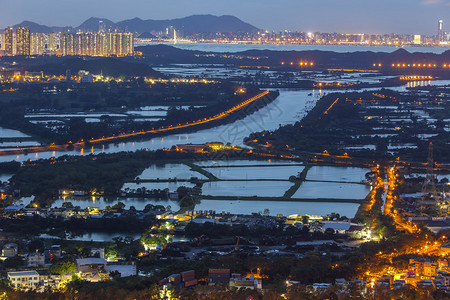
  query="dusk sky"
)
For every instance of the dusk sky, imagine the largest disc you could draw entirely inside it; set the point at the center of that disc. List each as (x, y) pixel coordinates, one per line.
(357, 16)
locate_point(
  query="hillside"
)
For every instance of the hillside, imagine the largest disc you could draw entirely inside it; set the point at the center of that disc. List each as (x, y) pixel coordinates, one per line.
(191, 24)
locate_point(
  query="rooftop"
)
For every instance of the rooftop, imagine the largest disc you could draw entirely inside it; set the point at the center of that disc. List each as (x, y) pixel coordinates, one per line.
(91, 261)
(23, 273)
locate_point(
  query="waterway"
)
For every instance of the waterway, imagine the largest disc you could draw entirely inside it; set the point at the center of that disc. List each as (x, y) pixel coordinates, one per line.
(241, 206)
(170, 171)
(5, 177)
(266, 174)
(108, 237)
(288, 108)
(279, 207)
(94, 236)
(247, 189)
(101, 202)
(275, 172)
(211, 47)
(10, 133)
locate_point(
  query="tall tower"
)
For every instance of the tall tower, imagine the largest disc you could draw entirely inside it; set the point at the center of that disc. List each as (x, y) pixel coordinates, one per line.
(441, 31)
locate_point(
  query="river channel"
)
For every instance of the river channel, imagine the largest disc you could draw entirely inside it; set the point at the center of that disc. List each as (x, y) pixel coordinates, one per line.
(288, 108)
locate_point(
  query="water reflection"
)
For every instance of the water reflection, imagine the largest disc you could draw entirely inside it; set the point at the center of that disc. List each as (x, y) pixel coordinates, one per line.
(94, 236)
(288, 108)
(278, 207)
(101, 202)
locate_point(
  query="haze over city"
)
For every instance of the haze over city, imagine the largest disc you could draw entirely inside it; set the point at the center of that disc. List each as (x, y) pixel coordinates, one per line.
(382, 16)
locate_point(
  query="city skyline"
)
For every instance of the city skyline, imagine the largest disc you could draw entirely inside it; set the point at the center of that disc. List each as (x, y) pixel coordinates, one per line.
(377, 17)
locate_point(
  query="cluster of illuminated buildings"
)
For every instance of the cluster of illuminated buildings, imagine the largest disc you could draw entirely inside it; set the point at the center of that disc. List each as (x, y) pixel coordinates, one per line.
(442, 38)
(309, 38)
(420, 272)
(21, 41)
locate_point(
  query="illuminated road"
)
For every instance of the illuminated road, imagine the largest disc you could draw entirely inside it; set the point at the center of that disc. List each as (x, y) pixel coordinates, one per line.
(391, 198)
(371, 207)
(331, 106)
(180, 126)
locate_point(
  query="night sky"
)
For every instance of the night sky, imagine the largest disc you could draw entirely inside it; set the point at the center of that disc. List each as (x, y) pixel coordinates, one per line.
(355, 16)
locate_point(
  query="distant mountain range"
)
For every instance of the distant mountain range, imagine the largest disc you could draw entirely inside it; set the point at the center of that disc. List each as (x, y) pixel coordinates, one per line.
(191, 24)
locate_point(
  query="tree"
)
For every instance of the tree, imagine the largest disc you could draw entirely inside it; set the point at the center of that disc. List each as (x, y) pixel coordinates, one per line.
(115, 274)
(36, 244)
(62, 268)
(67, 205)
(14, 262)
(305, 219)
(152, 240)
(119, 206)
(266, 212)
(187, 201)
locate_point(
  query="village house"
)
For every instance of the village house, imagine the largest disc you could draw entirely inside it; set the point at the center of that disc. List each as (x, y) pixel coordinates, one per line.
(24, 279)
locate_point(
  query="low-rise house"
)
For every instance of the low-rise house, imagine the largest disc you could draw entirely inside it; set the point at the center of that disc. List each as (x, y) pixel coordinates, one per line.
(183, 280)
(246, 283)
(93, 269)
(218, 276)
(399, 284)
(53, 253)
(10, 250)
(445, 277)
(411, 278)
(24, 279)
(189, 279)
(31, 211)
(14, 210)
(384, 281)
(338, 226)
(423, 269)
(443, 263)
(320, 286)
(35, 259)
(445, 249)
(341, 282)
(359, 285)
(98, 252)
(190, 147)
(425, 282)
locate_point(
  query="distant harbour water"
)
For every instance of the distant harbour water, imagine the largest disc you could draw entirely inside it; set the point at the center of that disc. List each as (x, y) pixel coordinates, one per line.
(221, 47)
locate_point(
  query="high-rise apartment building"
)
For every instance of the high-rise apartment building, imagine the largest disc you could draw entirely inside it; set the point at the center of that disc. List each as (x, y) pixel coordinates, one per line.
(97, 44)
(37, 44)
(8, 37)
(66, 44)
(23, 41)
(101, 27)
(52, 42)
(417, 39)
